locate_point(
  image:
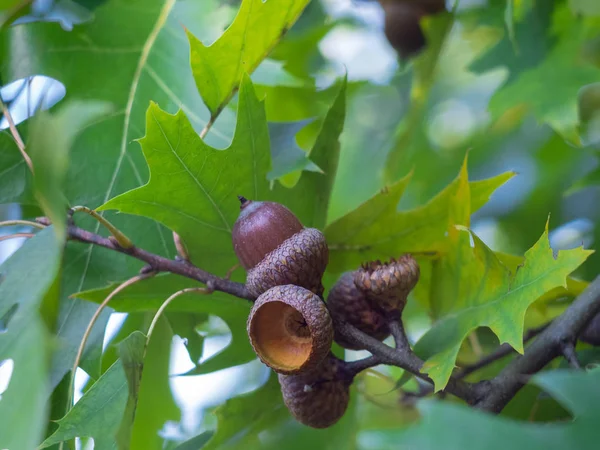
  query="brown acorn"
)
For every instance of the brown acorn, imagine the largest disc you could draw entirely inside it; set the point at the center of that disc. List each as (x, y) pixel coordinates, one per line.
(402, 26)
(276, 249)
(318, 398)
(348, 304)
(388, 284)
(290, 329)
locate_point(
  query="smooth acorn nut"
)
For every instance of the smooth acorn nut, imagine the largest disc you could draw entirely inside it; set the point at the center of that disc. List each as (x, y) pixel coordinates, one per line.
(388, 284)
(318, 398)
(348, 304)
(290, 329)
(402, 27)
(260, 228)
(591, 333)
(276, 249)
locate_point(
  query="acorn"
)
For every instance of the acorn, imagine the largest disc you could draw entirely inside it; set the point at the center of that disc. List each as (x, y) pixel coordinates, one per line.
(402, 25)
(290, 329)
(318, 398)
(276, 249)
(348, 304)
(591, 333)
(388, 284)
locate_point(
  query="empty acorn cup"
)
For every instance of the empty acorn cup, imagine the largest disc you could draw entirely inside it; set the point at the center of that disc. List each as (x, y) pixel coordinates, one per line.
(290, 329)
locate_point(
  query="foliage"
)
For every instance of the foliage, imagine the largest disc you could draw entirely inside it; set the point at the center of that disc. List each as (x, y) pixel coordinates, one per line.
(175, 107)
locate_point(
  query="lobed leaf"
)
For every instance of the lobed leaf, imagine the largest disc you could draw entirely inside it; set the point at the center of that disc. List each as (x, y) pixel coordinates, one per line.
(377, 230)
(219, 68)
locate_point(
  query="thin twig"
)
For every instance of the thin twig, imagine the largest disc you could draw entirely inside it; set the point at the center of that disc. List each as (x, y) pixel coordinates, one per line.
(180, 247)
(355, 367)
(499, 353)
(568, 351)
(26, 223)
(167, 302)
(16, 235)
(397, 330)
(407, 360)
(15, 134)
(119, 236)
(158, 263)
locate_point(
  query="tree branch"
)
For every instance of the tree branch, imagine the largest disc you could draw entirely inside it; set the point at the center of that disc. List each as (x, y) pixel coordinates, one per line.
(547, 346)
(159, 263)
(407, 360)
(499, 353)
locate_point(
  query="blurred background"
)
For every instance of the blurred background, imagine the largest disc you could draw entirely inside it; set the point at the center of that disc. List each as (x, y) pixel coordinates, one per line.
(499, 79)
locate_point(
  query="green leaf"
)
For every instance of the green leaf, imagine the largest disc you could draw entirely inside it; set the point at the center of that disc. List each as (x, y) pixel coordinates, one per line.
(49, 142)
(377, 230)
(443, 423)
(131, 354)
(25, 279)
(587, 7)
(193, 187)
(258, 26)
(155, 406)
(14, 173)
(150, 404)
(149, 294)
(98, 413)
(310, 197)
(195, 443)
(550, 89)
(127, 55)
(286, 155)
(240, 419)
(485, 293)
(184, 325)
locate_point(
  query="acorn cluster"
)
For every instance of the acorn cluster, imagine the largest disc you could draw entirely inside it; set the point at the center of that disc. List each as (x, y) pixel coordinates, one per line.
(290, 326)
(402, 24)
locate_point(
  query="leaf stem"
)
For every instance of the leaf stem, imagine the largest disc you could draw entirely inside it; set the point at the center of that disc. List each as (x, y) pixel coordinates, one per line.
(166, 303)
(16, 235)
(26, 223)
(15, 134)
(121, 239)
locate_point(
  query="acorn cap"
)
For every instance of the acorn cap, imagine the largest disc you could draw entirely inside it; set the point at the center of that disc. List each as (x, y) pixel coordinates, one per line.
(348, 304)
(260, 228)
(318, 398)
(388, 284)
(301, 260)
(290, 329)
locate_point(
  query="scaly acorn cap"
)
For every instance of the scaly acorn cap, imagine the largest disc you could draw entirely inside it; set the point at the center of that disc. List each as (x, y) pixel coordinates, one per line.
(290, 329)
(348, 304)
(318, 398)
(300, 260)
(388, 284)
(276, 249)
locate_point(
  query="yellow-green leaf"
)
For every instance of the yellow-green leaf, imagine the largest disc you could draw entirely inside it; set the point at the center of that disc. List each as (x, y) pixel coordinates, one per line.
(218, 69)
(376, 229)
(486, 294)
